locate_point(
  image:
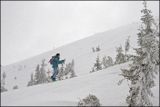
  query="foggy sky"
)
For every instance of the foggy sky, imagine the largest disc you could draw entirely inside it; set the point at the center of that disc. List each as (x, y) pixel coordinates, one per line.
(29, 28)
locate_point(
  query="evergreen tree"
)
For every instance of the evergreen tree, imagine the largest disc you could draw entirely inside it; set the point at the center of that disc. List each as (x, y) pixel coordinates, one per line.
(3, 80)
(3, 89)
(142, 71)
(107, 62)
(37, 74)
(31, 82)
(67, 69)
(90, 100)
(72, 70)
(98, 65)
(98, 48)
(104, 62)
(93, 49)
(110, 61)
(93, 70)
(127, 46)
(120, 58)
(66, 72)
(43, 77)
(156, 32)
(61, 73)
(4, 75)
(40, 73)
(15, 81)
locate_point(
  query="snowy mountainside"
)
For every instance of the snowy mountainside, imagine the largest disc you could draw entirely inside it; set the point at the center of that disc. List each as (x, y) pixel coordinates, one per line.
(80, 51)
(103, 84)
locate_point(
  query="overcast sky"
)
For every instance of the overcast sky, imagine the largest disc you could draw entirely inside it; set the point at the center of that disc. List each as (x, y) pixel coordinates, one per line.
(29, 28)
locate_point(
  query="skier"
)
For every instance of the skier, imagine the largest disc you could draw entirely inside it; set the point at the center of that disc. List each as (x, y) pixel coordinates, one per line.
(54, 61)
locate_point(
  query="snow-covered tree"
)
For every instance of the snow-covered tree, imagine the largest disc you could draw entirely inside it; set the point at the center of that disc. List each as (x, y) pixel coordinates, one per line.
(4, 75)
(66, 72)
(156, 32)
(104, 62)
(37, 74)
(15, 81)
(73, 74)
(3, 89)
(107, 61)
(40, 73)
(120, 58)
(142, 71)
(93, 70)
(32, 81)
(61, 73)
(90, 100)
(98, 48)
(67, 69)
(93, 49)
(110, 61)
(98, 64)
(43, 76)
(127, 47)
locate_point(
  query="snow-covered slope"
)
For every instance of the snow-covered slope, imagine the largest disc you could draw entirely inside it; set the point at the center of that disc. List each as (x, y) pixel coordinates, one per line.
(103, 84)
(80, 51)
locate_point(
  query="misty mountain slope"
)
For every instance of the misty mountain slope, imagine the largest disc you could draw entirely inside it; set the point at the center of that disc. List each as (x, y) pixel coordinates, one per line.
(80, 51)
(102, 83)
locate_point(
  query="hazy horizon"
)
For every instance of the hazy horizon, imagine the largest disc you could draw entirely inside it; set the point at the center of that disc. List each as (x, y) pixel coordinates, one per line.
(34, 27)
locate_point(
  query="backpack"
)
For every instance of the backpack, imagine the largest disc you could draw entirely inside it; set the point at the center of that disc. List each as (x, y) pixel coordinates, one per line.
(51, 60)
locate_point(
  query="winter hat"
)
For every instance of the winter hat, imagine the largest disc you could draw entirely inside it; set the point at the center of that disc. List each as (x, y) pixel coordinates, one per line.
(58, 54)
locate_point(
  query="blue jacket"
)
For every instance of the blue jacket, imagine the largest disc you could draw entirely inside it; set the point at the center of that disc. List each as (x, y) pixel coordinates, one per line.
(56, 61)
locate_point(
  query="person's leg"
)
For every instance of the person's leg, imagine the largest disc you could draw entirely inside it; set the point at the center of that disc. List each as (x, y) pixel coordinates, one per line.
(52, 73)
(55, 73)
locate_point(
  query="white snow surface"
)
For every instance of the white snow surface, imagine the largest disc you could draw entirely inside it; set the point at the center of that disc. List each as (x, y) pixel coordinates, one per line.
(103, 83)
